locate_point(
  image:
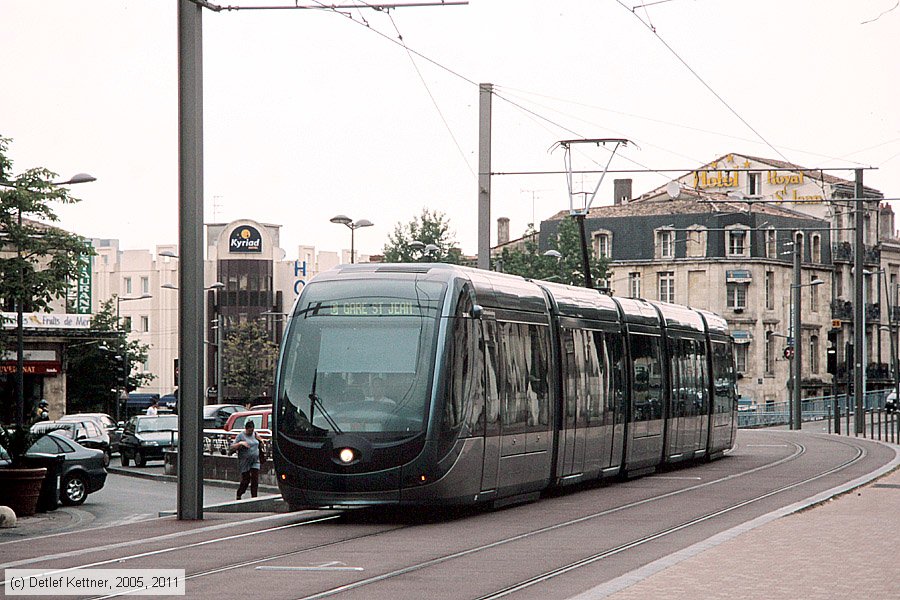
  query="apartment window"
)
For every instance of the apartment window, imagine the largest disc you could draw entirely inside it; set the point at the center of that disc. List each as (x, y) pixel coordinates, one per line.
(126, 323)
(737, 242)
(667, 286)
(145, 285)
(665, 243)
(813, 358)
(814, 295)
(127, 285)
(736, 295)
(754, 184)
(838, 284)
(603, 245)
(771, 243)
(740, 357)
(770, 353)
(634, 285)
(816, 248)
(145, 323)
(770, 290)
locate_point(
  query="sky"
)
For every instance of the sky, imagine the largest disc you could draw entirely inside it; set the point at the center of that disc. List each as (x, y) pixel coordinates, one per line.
(313, 113)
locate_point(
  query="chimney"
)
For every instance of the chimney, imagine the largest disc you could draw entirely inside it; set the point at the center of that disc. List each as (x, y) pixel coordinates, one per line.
(502, 230)
(621, 191)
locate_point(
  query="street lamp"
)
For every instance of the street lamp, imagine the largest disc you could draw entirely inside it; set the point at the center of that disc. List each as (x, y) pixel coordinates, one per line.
(345, 220)
(425, 249)
(20, 321)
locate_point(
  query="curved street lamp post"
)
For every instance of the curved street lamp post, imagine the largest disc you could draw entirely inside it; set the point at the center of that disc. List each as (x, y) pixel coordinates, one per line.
(345, 220)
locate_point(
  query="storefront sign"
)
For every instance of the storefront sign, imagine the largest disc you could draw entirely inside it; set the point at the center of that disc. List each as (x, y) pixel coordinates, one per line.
(78, 297)
(47, 320)
(300, 276)
(245, 239)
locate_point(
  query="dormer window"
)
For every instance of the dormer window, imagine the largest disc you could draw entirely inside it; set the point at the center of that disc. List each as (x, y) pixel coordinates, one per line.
(737, 242)
(665, 243)
(603, 244)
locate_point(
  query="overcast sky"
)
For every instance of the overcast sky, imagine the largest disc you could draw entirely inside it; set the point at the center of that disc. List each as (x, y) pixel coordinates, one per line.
(310, 113)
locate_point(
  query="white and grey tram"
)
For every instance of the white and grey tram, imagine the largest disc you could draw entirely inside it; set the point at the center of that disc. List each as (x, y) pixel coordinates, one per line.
(425, 384)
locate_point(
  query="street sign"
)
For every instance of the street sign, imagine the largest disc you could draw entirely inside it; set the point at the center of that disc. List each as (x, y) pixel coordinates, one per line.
(835, 323)
(789, 352)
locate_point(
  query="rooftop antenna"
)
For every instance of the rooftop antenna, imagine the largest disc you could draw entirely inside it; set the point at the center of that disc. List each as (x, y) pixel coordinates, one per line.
(580, 213)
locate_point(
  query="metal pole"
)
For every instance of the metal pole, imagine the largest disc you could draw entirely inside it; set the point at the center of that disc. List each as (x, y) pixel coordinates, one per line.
(20, 331)
(190, 276)
(485, 96)
(798, 333)
(585, 260)
(352, 243)
(859, 318)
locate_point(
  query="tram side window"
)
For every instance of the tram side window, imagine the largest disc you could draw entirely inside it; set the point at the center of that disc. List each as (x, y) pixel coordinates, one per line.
(570, 374)
(538, 357)
(513, 402)
(618, 403)
(702, 372)
(723, 380)
(491, 379)
(596, 408)
(525, 354)
(647, 378)
(461, 377)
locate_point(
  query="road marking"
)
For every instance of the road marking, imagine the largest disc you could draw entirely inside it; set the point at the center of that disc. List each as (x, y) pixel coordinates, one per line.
(334, 565)
(768, 446)
(676, 477)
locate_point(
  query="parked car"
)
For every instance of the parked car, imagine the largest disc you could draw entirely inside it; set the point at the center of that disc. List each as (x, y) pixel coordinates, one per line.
(83, 469)
(261, 420)
(216, 415)
(86, 432)
(147, 438)
(106, 422)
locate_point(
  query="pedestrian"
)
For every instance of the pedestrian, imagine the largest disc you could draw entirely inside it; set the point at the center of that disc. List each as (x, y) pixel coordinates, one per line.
(246, 444)
(153, 409)
(42, 412)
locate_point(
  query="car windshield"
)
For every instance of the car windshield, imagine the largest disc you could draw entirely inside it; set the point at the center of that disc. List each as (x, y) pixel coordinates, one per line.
(162, 423)
(358, 358)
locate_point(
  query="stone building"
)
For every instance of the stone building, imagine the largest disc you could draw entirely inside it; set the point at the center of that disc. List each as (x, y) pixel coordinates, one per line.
(721, 238)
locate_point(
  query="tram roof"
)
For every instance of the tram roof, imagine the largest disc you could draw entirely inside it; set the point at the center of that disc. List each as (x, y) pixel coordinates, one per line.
(677, 316)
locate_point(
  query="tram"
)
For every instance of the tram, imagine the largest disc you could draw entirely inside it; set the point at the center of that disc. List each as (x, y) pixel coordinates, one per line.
(432, 384)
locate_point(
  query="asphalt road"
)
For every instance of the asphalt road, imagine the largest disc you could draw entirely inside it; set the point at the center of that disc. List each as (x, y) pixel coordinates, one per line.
(566, 544)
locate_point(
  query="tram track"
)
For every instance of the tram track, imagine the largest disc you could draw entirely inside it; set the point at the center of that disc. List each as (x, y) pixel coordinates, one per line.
(799, 449)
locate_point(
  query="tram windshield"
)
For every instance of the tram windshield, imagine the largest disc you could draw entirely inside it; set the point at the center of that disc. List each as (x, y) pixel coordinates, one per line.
(358, 358)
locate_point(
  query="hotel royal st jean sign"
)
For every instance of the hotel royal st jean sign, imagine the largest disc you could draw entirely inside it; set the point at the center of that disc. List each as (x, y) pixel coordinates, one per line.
(785, 185)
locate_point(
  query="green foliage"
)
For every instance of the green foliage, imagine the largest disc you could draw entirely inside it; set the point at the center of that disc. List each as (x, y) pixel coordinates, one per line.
(18, 439)
(40, 260)
(531, 263)
(249, 359)
(431, 227)
(91, 377)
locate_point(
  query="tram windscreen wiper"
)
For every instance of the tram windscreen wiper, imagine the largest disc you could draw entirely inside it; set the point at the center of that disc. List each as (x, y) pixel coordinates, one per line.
(314, 402)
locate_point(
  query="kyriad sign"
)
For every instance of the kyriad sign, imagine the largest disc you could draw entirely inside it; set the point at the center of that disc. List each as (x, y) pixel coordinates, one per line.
(245, 239)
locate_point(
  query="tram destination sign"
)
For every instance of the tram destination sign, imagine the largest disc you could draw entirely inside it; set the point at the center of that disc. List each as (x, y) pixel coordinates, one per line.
(371, 308)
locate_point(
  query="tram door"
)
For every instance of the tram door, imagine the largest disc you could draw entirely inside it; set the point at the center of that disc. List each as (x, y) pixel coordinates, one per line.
(572, 446)
(688, 413)
(490, 473)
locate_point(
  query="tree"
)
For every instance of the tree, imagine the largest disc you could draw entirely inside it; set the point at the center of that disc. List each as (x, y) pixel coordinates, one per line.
(431, 227)
(37, 261)
(93, 375)
(249, 359)
(569, 269)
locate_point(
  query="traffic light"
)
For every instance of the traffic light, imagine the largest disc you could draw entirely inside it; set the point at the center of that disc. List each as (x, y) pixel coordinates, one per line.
(120, 368)
(831, 351)
(831, 360)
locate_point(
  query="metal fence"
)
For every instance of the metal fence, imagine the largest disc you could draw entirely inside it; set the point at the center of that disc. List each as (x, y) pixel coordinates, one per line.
(880, 423)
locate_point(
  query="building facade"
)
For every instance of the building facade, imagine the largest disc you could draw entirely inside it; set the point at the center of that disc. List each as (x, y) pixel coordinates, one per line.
(723, 239)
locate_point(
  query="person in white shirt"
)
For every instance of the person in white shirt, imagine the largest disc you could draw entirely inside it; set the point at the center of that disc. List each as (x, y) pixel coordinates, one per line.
(153, 409)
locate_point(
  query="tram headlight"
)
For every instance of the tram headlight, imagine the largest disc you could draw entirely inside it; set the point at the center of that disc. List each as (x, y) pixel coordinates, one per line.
(347, 455)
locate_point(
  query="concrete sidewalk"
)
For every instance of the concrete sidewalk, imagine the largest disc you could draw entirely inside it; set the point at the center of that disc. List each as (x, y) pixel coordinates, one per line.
(846, 546)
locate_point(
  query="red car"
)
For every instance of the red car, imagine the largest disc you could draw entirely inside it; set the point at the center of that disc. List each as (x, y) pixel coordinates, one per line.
(261, 420)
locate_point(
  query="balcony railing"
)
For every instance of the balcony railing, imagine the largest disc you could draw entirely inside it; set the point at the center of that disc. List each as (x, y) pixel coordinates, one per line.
(843, 310)
(843, 252)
